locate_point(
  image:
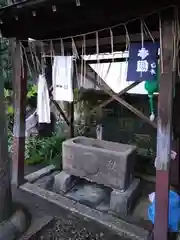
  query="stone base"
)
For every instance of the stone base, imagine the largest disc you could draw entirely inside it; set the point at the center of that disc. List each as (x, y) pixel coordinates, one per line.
(122, 202)
(59, 205)
(63, 182)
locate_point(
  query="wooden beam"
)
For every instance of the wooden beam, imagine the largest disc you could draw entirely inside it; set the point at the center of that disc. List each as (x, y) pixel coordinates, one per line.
(106, 60)
(20, 91)
(105, 103)
(57, 106)
(92, 75)
(164, 133)
(132, 109)
(60, 111)
(5, 176)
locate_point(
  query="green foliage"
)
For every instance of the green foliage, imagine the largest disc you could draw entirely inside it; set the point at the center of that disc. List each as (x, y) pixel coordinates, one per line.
(37, 150)
(41, 150)
(3, 3)
(46, 150)
(32, 91)
(6, 66)
(8, 95)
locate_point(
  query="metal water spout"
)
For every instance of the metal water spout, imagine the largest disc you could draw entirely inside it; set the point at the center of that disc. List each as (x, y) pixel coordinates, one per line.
(99, 131)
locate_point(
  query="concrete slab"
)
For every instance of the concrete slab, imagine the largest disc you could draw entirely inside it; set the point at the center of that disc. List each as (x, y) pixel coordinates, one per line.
(122, 202)
(55, 203)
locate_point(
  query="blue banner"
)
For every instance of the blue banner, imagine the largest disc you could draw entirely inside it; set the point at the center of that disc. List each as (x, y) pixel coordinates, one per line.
(142, 64)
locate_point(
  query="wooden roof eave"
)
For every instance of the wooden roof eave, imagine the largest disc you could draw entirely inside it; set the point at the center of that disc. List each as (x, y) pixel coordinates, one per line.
(72, 20)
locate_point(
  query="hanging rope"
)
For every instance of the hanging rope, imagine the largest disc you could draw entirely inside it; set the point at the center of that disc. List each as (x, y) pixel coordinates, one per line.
(97, 56)
(62, 47)
(52, 53)
(161, 52)
(112, 44)
(75, 57)
(32, 57)
(148, 31)
(82, 66)
(84, 43)
(37, 62)
(127, 44)
(24, 55)
(43, 59)
(83, 62)
(142, 38)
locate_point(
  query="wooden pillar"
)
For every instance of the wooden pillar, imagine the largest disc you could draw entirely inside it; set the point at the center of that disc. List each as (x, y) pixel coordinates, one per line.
(5, 177)
(164, 135)
(20, 90)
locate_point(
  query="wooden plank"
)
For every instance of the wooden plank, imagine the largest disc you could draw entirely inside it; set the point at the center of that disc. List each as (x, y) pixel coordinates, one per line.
(164, 133)
(20, 90)
(106, 60)
(133, 109)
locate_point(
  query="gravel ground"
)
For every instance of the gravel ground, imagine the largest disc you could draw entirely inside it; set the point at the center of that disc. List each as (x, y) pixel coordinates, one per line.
(73, 228)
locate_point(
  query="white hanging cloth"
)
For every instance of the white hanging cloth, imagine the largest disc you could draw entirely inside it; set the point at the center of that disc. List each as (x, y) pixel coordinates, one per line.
(43, 101)
(62, 74)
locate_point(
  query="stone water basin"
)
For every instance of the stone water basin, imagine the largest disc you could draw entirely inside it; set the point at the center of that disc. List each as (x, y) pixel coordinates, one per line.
(103, 162)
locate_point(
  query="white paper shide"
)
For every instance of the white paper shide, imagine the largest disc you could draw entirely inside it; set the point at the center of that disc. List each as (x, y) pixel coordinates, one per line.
(62, 74)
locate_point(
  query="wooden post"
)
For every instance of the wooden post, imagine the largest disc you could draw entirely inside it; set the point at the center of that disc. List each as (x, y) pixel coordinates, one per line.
(164, 135)
(5, 186)
(20, 91)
